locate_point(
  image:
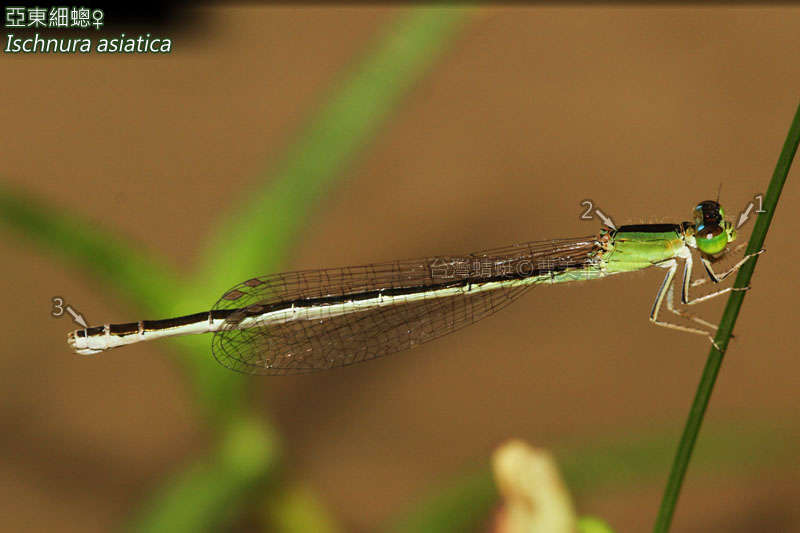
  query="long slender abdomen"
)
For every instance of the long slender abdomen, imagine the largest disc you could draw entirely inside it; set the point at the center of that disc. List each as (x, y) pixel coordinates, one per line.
(97, 339)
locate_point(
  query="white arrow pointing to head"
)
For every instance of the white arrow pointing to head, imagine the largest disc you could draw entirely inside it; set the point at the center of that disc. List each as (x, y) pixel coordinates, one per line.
(744, 215)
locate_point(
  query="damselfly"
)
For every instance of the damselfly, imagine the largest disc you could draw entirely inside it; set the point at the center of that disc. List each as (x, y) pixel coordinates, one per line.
(299, 322)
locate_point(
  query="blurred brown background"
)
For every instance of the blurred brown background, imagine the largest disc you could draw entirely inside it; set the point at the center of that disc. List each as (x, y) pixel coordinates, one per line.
(530, 111)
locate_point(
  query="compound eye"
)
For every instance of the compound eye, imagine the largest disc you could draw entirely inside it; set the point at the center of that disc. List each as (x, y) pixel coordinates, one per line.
(711, 239)
(697, 215)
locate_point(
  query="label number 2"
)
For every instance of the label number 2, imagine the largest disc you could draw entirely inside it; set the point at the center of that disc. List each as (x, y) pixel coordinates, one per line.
(587, 215)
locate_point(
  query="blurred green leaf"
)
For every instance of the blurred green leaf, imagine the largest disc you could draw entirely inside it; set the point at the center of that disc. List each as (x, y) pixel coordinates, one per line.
(459, 506)
(211, 492)
(258, 234)
(79, 243)
(590, 524)
(258, 238)
(296, 510)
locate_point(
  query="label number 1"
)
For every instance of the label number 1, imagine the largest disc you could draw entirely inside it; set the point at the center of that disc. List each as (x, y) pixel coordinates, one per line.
(760, 200)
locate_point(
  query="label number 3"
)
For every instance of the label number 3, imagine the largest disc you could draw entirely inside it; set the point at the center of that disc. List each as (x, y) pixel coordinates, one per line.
(58, 307)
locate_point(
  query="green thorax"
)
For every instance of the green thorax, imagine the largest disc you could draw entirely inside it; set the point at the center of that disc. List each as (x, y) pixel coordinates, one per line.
(636, 247)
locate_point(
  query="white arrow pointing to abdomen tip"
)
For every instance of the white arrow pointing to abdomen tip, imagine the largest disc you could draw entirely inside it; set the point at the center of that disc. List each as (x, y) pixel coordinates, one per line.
(77, 317)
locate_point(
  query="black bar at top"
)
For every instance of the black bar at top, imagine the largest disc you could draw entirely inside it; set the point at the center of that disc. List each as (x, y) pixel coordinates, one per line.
(649, 228)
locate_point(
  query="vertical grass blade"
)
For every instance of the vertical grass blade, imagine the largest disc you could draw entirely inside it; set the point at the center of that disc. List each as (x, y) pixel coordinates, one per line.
(715, 356)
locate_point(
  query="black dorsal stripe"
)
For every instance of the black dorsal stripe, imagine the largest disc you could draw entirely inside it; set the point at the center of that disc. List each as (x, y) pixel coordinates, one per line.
(237, 314)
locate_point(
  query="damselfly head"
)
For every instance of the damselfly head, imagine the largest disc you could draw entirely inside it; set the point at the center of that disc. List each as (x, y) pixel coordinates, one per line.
(712, 231)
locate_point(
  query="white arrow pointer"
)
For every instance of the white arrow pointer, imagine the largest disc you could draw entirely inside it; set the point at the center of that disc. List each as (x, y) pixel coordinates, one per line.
(606, 220)
(77, 317)
(744, 215)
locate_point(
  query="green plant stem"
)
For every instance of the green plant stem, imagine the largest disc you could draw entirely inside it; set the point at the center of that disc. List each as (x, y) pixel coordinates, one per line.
(716, 354)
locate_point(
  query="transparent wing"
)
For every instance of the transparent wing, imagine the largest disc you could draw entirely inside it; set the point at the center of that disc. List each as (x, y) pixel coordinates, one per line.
(418, 312)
